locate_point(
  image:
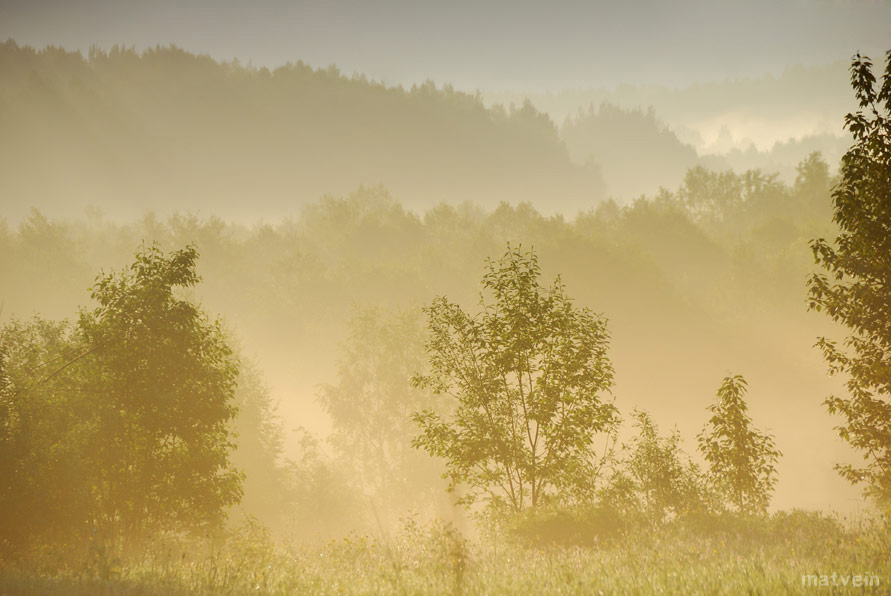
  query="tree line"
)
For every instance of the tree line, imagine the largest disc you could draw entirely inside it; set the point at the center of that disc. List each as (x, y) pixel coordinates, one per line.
(293, 287)
(121, 129)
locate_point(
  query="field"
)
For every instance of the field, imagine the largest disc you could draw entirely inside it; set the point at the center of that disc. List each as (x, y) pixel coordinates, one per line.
(763, 557)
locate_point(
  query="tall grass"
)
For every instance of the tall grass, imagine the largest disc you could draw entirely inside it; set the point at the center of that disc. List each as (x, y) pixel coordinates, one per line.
(761, 557)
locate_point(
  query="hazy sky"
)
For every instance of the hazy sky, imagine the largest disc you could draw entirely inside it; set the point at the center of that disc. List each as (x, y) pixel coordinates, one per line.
(491, 45)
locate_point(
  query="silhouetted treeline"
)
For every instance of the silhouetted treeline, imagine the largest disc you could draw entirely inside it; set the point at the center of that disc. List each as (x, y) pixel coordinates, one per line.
(643, 137)
(121, 129)
(800, 101)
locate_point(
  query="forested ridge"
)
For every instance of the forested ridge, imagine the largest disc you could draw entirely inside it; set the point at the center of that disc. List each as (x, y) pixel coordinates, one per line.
(120, 129)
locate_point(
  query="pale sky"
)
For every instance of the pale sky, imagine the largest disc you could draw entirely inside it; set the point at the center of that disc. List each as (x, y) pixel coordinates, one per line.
(489, 45)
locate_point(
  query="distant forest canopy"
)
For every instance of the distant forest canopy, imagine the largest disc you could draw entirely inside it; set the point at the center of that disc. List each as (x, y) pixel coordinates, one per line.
(695, 282)
(802, 101)
(646, 136)
(638, 153)
(635, 151)
(119, 130)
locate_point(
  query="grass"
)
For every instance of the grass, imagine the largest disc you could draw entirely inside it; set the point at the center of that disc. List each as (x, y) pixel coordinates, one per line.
(769, 558)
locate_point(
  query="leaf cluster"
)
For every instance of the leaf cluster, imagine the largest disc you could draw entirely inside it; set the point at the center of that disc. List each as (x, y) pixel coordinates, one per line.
(855, 289)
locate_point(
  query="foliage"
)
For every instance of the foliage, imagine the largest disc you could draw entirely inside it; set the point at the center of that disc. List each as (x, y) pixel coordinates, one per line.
(727, 200)
(324, 500)
(526, 375)
(47, 430)
(258, 434)
(666, 482)
(292, 284)
(168, 378)
(119, 424)
(856, 288)
(812, 181)
(371, 409)
(742, 460)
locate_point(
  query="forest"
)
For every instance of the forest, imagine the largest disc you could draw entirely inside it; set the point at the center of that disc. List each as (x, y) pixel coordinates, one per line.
(470, 369)
(119, 129)
(167, 127)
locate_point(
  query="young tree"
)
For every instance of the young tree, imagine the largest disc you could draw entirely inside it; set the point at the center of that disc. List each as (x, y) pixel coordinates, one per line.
(742, 460)
(857, 290)
(527, 376)
(667, 482)
(164, 379)
(119, 423)
(324, 502)
(371, 407)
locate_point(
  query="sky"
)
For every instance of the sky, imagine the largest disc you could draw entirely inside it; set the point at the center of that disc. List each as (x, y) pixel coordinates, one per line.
(517, 45)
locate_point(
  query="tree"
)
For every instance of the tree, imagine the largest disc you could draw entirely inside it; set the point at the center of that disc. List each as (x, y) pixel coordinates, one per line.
(259, 437)
(712, 198)
(371, 408)
(324, 502)
(526, 376)
(667, 482)
(118, 424)
(856, 288)
(45, 430)
(742, 460)
(812, 180)
(164, 379)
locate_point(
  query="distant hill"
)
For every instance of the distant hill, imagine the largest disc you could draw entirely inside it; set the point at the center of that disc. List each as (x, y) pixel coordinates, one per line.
(167, 129)
(635, 151)
(801, 101)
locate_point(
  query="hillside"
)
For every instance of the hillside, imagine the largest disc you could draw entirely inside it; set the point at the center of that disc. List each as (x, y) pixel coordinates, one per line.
(119, 130)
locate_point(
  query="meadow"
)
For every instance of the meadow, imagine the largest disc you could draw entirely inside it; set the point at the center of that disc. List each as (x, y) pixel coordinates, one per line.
(769, 556)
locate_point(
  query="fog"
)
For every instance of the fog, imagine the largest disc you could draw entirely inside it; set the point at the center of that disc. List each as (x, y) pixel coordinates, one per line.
(674, 188)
